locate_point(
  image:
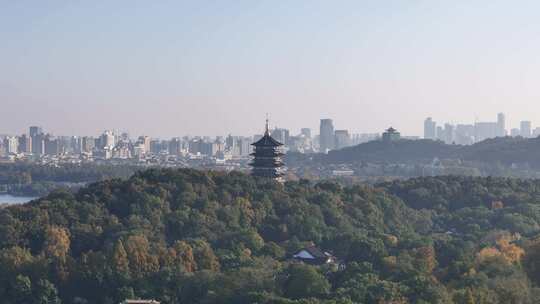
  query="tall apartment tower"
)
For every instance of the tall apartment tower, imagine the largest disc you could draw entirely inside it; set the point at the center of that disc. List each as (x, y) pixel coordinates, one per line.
(107, 140)
(430, 129)
(327, 140)
(449, 134)
(525, 129)
(34, 130)
(25, 144)
(501, 125)
(37, 140)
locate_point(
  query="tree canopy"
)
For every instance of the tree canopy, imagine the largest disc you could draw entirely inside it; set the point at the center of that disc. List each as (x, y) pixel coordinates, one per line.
(187, 236)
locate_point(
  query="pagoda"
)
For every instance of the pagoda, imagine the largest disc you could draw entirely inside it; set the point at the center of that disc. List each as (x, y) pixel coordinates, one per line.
(267, 157)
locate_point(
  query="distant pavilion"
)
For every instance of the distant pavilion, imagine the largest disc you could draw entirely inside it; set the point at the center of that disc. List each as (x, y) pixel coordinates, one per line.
(390, 135)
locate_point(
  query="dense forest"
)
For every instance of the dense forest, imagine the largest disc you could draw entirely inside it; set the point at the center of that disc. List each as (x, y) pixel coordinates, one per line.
(24, 173)
(186, 236)
(23, 178)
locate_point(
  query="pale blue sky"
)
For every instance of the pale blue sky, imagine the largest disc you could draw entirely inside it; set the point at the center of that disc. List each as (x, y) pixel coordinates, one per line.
(167, 68)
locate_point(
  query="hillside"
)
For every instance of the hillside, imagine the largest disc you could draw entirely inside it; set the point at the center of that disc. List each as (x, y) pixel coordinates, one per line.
(185, 236)
(504, 150)
(397, 151)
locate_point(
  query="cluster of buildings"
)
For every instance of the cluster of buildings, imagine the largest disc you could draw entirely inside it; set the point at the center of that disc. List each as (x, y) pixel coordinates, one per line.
(467, 134)
(331, 139)
(38, 145)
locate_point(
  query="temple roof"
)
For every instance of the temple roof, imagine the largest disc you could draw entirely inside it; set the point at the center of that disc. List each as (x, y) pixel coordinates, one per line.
(267, 140)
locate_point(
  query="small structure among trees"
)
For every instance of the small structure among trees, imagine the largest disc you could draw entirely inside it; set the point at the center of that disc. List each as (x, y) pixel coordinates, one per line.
(314, 255)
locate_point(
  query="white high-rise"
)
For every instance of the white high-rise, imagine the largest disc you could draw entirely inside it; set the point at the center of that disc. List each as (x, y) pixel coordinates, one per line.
(430, 129)
(501, 127)
(525, 129)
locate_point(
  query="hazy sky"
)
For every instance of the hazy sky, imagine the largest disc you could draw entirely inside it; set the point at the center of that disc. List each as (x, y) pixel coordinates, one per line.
(167, 68)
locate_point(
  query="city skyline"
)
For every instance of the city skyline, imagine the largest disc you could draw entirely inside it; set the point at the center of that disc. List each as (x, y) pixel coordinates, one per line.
(162, 68)
(505, 129)
(112, 144)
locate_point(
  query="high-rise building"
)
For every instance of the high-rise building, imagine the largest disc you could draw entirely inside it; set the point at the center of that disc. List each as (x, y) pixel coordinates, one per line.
(11, 145)
(536, 132)
(501, 127)
(342, 138)
(267, 157)
(326, 135)
(38, 144)
(464, 134)
(210, 148)
(34, 130)
(51, 145)
(514, 132)
(306, 132)
(88, 144)
(65, 145)
(107, 140)
(37, 140)
(76, 144)
(525, 129)
(449, 134)
(145, 140)
(195, 146)
(281, 135)
(485, 130)
(25, 144)
(430, 129)
(440, 133)
(230, 142)
(244, 144)
(175, 146)
(155, 146)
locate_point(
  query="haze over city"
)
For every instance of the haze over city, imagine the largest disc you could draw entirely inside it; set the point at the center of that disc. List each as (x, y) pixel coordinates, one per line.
(170, 68)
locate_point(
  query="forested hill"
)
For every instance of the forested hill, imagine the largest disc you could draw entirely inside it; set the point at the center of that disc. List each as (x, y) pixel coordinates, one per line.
(505, 150)
(185, 236)
(403, 150)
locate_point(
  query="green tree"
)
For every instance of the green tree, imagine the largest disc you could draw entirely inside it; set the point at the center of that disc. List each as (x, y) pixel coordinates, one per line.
(120, 260)
(46, 293)
(22, 289)
(184, 256)
(57, 243)
(141, 261)
(305, 281)
(205, 257)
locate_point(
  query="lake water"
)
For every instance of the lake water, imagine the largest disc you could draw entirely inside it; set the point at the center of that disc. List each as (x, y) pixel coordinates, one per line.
(10, 199)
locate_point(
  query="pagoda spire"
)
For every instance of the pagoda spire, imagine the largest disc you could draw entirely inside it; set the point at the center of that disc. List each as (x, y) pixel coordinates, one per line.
(266, 129)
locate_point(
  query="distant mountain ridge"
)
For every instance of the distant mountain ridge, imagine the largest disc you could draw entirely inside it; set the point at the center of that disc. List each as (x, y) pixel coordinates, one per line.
(505, 150)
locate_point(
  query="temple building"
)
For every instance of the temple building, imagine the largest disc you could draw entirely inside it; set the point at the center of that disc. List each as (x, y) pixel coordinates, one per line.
(267, 157)
(390, 135)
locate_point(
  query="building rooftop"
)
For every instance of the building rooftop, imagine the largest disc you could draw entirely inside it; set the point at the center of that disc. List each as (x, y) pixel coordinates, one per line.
(140, 302)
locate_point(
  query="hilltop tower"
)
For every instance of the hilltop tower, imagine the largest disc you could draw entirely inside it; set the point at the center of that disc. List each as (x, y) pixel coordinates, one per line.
(267, 157)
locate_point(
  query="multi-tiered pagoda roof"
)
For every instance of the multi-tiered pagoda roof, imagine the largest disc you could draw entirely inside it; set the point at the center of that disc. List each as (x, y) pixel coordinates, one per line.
(267, 157)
